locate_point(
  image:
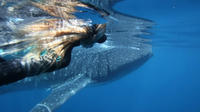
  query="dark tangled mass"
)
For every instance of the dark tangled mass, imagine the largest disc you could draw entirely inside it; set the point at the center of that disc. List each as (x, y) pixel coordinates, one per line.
(45, 35)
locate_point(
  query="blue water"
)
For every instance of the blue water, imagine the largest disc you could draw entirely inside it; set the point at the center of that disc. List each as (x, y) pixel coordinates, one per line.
(168, 82)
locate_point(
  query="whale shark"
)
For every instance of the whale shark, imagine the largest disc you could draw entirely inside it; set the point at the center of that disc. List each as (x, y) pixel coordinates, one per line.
(123, 52)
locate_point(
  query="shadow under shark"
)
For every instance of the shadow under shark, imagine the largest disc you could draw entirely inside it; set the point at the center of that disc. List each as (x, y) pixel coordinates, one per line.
(123, 52)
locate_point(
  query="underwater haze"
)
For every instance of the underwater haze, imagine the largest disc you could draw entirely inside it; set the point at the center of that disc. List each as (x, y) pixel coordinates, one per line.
(168, 82)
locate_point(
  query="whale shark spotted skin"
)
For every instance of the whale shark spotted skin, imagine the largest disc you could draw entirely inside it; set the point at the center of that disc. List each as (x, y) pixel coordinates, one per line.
(122, 52)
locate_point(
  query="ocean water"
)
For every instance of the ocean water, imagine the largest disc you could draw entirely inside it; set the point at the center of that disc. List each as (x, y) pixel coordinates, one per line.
(168, 82)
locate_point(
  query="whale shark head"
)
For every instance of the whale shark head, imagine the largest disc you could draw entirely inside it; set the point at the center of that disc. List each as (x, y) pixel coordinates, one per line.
(105, 62)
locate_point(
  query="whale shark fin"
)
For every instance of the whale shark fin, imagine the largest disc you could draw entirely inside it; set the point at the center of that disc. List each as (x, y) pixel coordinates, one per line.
(125, 30)
(122, 29)
(62, 93)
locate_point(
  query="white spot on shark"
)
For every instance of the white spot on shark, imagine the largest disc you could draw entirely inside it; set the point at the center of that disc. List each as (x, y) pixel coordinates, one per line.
(105, 46)
(135, 48)
(73, 92)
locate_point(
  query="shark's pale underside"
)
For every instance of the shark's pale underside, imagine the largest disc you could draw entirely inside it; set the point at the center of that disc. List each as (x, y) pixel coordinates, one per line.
(123, 51)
